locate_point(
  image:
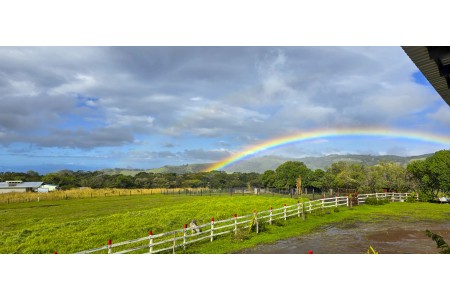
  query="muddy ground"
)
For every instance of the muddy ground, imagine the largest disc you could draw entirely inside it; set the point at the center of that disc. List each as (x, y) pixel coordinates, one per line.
(388, 237)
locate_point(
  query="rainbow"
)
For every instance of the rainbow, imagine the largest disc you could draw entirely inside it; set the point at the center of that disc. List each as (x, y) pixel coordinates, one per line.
(329, 133)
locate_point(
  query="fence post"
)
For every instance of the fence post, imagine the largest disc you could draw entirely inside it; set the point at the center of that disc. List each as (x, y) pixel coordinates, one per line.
(310, 210)
(336, 201)
(270, 216)
(174, 241)
(150, 243)
(212, 229)
(347, 201)
(184, 236)
(303, 211)
(109, 246)
(323, 201)
(255, 214)
(235, 224)
(298, 209)
(285, 215)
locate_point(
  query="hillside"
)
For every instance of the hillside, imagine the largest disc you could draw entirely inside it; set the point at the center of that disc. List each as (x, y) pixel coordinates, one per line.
(261, 164)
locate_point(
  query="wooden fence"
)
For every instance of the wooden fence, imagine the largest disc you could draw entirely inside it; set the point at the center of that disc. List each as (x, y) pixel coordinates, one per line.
(171, 241)
(394, 197)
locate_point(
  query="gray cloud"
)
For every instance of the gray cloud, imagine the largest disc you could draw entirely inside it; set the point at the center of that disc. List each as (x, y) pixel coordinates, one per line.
(87, 97)
(204, 155)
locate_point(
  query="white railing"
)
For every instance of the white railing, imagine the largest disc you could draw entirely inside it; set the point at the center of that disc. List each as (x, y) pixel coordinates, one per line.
(393, 197)
(173, 240)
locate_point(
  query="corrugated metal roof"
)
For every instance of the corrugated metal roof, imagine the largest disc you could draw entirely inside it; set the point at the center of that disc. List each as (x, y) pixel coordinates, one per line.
(31, 184)
(429, 68)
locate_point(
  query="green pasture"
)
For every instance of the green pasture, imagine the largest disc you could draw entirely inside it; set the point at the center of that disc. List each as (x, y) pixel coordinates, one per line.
(69, 226)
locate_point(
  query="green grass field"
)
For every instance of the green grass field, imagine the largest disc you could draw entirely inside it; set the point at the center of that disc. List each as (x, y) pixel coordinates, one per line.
(68, 226)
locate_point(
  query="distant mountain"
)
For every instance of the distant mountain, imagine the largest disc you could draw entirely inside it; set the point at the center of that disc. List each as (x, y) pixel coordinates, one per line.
(261, 164)
(183, 169)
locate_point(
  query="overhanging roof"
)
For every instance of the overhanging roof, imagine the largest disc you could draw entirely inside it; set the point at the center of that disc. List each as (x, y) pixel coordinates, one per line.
(434, 63)
(32, 184)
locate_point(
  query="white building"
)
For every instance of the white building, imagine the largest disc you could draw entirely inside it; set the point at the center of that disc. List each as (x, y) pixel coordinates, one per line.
(45, 188)
(19, 187)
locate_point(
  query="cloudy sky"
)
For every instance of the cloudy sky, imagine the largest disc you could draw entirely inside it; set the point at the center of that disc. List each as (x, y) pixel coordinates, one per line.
(142, 107)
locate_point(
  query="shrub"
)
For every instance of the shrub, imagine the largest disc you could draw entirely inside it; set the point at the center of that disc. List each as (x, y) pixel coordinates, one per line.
(241, 235)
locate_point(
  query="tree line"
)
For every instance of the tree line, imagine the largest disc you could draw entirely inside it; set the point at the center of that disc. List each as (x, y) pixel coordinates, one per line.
(428, 177)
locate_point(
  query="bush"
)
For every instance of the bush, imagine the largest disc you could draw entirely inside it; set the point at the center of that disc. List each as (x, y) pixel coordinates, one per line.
(411, 198)
(240, 236)
(425, 196)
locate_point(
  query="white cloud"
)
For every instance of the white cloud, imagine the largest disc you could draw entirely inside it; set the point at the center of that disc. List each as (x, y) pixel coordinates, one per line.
(78, 84)
(442, 115)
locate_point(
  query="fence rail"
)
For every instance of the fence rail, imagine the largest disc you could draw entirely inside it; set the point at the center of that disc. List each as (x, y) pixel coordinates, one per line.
(394, 197)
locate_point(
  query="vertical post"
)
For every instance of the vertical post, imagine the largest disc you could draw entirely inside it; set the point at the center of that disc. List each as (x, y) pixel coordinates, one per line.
(285, 216)
(184, 236)
(303, 211)
(347, 201)
(255, 214)
(323, 201)
(336, 201)
(298, 209)
(150, 243)
(310, 210)
(174, 239)
(212, 229)
(270, 216)
(109, 246)
(235, 224)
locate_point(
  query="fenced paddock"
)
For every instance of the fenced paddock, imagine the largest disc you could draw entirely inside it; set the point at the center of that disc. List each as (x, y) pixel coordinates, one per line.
(176, 240)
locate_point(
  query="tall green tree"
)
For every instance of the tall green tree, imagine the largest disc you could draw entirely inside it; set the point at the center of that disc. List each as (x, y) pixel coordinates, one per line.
(433, 174)
(287, 173)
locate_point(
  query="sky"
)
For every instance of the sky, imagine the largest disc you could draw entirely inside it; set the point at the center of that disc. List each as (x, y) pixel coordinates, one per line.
(88, 108)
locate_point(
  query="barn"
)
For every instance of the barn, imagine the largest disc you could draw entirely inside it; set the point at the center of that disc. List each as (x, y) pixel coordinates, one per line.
(19, 186)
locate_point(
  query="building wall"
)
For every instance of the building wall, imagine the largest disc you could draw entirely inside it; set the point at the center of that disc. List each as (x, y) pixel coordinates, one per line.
(16, 190)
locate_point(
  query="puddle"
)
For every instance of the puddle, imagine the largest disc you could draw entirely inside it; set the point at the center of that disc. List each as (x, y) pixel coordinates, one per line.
(386, 237)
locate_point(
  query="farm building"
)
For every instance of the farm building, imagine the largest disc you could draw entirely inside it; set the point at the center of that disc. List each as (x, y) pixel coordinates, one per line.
(19, 187)
(45, 188)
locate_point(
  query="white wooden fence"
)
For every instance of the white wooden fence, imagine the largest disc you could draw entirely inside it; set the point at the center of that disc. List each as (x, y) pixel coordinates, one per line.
(176, 239)
(394, 197)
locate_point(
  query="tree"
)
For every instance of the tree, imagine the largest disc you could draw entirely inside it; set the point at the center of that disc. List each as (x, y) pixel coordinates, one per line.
(316, 180)
(346, 175)
(433, 174)
(268, 179)
(287, 173)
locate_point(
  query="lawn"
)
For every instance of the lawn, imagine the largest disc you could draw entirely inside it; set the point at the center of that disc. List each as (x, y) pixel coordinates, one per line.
(68, 226)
